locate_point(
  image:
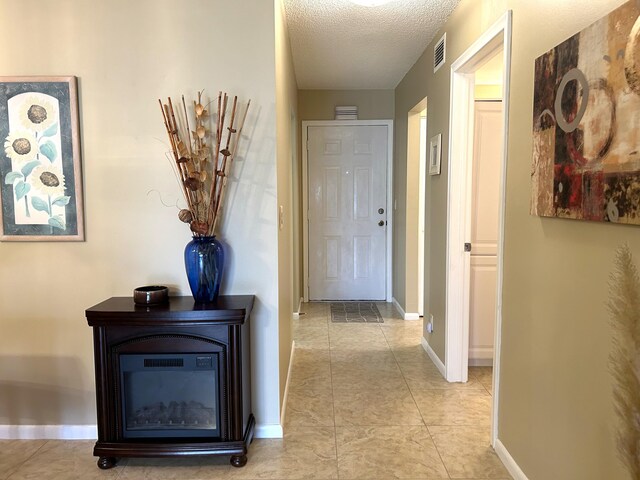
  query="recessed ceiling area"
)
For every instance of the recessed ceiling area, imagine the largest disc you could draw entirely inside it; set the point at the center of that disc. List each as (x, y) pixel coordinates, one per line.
(337, 44)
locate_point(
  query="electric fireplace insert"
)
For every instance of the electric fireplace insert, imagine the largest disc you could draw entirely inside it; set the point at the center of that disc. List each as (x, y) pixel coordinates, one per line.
(170, 395)
(172, 379)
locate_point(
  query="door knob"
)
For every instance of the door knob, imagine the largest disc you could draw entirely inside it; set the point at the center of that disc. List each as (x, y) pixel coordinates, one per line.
(381, 223)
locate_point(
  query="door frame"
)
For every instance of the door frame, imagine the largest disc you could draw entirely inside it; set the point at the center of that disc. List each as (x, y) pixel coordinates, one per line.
(305, 193)
(461, 128)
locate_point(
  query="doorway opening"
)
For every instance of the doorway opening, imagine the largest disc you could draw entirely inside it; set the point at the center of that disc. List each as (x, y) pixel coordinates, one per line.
(415, 217)
(472, 196)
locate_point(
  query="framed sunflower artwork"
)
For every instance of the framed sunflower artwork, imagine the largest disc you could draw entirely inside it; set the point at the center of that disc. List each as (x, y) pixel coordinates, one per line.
(41, 180)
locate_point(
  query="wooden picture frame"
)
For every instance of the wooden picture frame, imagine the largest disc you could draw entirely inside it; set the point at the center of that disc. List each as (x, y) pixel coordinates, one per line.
(435, 154)
(40, 175)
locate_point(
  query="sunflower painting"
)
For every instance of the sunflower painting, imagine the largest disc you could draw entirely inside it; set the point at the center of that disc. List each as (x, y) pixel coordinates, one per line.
(40, 180)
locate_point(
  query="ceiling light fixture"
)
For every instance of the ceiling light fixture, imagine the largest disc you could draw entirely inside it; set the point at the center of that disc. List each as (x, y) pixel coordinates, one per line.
(370, 3)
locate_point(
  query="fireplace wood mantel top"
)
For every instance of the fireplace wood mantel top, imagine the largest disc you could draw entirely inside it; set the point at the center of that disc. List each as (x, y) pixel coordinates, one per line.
(227, 310)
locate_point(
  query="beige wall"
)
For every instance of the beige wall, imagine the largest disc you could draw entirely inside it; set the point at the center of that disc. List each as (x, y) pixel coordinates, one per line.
(556, 400)
(556, 416)
(286, 106)
(320, 104)
(127, 55)
(488, 92)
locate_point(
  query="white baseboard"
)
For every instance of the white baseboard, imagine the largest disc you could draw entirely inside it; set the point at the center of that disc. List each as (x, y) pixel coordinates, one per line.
(403, 314)
(268, 430)
(49, 432)
(512, 467)
(434, 358)
(286, 387)
(90, 432)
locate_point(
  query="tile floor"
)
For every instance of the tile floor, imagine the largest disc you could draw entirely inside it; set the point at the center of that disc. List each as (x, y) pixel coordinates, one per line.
(365, 402)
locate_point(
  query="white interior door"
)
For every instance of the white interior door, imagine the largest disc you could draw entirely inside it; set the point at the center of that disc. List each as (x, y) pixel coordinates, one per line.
(347, 189)
(484, 230)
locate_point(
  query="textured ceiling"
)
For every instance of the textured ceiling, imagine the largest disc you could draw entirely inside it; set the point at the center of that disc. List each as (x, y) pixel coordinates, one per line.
(340, 45)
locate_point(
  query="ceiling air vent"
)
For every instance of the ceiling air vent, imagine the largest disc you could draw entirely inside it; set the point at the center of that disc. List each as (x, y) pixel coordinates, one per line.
(439, 53)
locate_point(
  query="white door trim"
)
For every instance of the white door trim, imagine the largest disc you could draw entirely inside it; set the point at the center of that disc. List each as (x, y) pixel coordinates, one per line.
(305, 190)
(458, 211)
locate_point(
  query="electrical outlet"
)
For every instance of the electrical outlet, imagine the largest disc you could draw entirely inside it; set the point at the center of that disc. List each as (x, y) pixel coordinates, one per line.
(429, 326)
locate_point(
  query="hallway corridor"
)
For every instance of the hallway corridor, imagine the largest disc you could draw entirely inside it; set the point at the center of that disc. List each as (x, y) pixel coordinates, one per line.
(367, 398)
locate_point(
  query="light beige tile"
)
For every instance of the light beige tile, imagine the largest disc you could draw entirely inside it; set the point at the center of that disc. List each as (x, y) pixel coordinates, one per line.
(14, 453)
(454, 407)
(484, 375)
(357, 337)
(368, 407)
(310, 380)
(398, 337)
(311, 371)
(425, 376)
(366, 375)
(411, 354)
(362, 357)
(71, 460)
(388, 311)
(304, 357)
(308, 337)
(192, 468)
(387, 453)
(467, 452)
(303, 453)
(309, 409)
(314, 308)
(312, 320)
(355, 329)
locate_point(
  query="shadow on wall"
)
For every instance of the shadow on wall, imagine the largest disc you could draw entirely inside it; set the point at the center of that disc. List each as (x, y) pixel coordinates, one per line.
(33, 391)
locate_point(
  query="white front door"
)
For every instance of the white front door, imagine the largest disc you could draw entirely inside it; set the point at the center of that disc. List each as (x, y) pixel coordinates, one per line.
(347, 212)
(487, 153)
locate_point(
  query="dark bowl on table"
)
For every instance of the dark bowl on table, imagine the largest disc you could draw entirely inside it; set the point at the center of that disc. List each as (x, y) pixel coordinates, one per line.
(151, 295)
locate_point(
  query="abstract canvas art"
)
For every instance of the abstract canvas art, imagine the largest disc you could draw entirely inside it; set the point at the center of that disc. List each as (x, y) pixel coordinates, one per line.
(41, 188)
(586, 123)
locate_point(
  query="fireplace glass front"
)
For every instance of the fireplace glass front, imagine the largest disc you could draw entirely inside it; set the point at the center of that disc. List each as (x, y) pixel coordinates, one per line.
(166, 396)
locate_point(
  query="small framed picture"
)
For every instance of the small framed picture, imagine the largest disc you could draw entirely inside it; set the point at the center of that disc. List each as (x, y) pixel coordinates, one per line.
(41, 180)
(435, 152)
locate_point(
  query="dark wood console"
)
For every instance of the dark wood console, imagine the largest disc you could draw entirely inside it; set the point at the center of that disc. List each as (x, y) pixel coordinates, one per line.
(172, 379)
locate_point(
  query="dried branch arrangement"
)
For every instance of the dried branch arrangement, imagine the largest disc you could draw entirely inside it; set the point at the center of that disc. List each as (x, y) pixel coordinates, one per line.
(624, 307)
(201, 166)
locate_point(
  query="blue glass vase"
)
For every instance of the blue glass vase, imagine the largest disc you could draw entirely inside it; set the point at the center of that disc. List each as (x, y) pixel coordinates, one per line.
(204, 262)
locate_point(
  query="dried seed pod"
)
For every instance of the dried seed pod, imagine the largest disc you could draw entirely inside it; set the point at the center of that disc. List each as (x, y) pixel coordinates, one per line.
(192, 183)
(183, 160)
(225, 152)
(202, 176)
(185, 215)
(232, 130)
(200, 228)
(201, 131)
(199, 109)
(182, 149)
